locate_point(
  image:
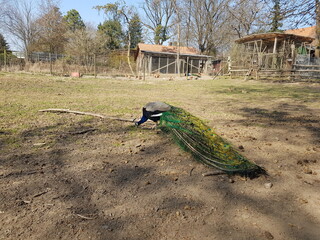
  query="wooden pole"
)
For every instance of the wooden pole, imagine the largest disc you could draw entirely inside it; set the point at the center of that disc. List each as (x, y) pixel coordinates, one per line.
(140, 64)
(144, 68)
(59, 110)
(178, 41)
(178, 50)
(317, 50)
(150, 65)
(274, 59)
(183, 65)
(50, 60)
(191, 68)
(5, 59)
(187, 69)
(275, 45)
(94, 66)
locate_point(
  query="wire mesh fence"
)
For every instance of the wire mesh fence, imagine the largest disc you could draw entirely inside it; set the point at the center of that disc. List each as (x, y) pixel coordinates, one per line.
(111, 63)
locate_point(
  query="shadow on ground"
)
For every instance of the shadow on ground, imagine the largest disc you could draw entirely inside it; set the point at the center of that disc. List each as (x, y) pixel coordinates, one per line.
(108, 180)
(285, 114)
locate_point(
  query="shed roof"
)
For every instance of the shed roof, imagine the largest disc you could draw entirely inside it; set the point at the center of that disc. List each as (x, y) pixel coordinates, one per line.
(307, 32)
(166, 49)
(271, 37)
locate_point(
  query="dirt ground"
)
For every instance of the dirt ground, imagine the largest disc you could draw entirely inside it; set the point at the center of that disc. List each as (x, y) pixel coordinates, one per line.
(85, 178)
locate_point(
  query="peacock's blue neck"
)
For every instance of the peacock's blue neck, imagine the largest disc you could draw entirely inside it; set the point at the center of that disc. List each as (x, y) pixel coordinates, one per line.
(142, 120)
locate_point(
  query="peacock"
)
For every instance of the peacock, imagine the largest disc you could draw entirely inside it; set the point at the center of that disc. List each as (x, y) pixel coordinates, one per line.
(194, 136)
(153, 111)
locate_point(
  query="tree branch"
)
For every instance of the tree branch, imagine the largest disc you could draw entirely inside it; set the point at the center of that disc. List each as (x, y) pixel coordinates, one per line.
(59, 110)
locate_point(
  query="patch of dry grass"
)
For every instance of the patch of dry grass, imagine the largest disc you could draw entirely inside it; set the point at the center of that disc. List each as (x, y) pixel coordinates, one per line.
(22, 95)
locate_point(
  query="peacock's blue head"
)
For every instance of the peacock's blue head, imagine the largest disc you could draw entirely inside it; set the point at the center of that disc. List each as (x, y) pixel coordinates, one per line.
(142, 120)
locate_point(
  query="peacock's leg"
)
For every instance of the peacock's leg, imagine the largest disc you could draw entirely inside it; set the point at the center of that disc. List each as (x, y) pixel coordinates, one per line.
(156, 124)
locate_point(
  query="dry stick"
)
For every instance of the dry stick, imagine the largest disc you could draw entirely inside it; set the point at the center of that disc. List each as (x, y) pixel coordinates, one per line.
(39, 194)
(18, 173)
(84, 217)
(213, 174)
(190, 173)
(58, 110)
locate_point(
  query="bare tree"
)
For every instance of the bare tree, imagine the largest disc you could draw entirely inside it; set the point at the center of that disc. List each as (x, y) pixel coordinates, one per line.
(206, 23)
(246, 16)
(158, 18)
(317, 13)
(83, 44)
(188, 21)
(298, 12)
(2, 12)
(184, 16)
(18, 18)
(214, 24)
(178, 18)
(51, 28)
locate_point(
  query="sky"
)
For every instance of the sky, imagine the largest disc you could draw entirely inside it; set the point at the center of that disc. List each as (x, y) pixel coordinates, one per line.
(85, 8)
(87, 13)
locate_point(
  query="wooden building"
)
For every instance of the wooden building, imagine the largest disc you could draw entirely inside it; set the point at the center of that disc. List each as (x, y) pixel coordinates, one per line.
(280, 54)
(159, 59)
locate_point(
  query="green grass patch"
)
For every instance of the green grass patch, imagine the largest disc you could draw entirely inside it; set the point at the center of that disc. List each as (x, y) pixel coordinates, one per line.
(267, 92)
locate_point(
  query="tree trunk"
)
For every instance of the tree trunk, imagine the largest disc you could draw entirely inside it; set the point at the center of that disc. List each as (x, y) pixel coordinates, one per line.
(317, 51)
(128, 54)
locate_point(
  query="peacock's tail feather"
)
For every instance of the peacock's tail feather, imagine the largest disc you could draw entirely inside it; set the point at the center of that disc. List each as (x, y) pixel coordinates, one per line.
(196, 137)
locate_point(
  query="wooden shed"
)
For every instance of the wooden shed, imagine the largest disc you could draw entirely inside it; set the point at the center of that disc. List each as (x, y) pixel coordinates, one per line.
(159, 59)
(269, 53)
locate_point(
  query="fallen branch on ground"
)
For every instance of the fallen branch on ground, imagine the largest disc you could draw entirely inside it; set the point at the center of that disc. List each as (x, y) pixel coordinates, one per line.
(58, 110)
(85, 217)
(190, 173)
(213, 174)
(41, 193)
(17, 173)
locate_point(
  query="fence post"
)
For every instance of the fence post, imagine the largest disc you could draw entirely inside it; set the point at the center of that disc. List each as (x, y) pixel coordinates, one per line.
(94, 65)
(144, 67)
(187, 68)
(50, 60)
(5, 59)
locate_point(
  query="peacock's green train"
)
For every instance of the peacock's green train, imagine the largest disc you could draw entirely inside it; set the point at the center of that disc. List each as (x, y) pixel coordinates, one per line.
(194, 136)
